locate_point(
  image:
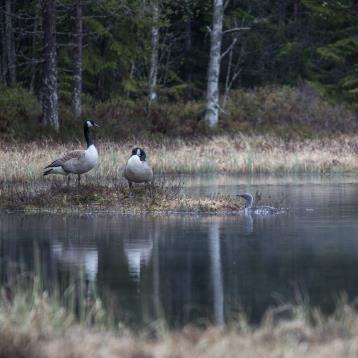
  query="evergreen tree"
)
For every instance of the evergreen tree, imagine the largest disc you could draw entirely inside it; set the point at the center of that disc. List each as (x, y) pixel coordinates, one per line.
(334, 33)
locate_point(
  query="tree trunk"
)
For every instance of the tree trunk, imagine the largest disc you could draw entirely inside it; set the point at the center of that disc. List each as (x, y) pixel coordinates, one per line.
(77, 72)
(212, 92)
(3, 58)
(153, 72)
(227, 79)
(9, 44)
(49, 90)
(188, 48)
(33, 50)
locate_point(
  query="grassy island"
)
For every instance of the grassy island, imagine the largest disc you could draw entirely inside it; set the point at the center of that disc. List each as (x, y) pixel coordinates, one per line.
(161, 197)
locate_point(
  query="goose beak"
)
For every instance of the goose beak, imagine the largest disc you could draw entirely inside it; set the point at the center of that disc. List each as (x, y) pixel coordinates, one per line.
(96, 125)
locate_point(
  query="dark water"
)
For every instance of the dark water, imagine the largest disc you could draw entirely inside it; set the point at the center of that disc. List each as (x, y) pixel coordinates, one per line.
(191, 268)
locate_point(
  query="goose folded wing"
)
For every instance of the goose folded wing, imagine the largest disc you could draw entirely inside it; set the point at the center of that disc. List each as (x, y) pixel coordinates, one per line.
(73, 154)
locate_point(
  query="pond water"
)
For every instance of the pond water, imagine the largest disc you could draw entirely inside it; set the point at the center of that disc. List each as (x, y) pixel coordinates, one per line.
(202, 268)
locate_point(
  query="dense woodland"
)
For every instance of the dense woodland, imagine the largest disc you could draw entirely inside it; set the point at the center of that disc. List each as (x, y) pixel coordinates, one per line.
(150, 52)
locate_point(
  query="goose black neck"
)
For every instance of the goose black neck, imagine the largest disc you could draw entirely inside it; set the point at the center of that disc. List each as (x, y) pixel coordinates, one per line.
(88, 136)
(249, 202)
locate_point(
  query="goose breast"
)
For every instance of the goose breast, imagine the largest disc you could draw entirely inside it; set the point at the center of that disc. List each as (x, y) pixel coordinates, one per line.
(138, 171)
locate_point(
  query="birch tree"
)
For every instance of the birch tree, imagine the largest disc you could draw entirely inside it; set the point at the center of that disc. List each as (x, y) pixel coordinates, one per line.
(212, 91)
(77, 72)
(49, 89)
(153, 71)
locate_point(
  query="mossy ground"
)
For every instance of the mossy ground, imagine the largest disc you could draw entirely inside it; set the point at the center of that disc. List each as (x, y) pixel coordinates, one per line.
(160, 197)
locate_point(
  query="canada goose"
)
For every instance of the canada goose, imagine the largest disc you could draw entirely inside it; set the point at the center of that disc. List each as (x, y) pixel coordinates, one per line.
(260, 210)
(76, 161)
(137, 170)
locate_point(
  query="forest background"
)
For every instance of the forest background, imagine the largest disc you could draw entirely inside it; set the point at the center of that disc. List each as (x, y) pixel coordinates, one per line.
(148, 68)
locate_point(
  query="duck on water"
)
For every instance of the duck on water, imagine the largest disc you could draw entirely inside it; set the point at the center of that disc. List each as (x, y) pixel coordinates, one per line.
(259, 210)
(76, 161)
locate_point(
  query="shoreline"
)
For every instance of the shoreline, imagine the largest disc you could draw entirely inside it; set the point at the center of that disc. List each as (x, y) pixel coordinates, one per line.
(165, 197)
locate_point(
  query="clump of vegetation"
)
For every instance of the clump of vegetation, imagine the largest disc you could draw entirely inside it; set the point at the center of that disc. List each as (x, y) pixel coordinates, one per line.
(35, 323)
(287, 112)
(159, 197)
(20, 114)
(220, 204)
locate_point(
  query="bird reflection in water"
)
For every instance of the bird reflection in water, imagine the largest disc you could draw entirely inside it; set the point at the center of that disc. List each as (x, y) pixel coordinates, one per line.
(138, 254)
(77, 258)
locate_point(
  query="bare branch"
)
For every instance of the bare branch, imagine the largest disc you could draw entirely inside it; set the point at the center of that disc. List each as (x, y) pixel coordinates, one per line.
(235, 76)
(226, 4)
(233, 43)
(236, 29)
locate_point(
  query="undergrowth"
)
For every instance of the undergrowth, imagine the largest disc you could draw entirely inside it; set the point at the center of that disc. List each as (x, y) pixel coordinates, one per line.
(284, 111)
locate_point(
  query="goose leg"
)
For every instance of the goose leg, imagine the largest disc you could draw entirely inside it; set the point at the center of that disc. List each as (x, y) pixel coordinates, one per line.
(79, 179)
(130, 184)
(149, 187)
(68, 181)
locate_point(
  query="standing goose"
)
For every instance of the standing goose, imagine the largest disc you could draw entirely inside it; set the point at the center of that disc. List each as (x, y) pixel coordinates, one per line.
(76, 161)
(137, 170)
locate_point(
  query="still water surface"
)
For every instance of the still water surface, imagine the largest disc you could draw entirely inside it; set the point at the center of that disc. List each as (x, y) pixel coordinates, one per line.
(200, 268)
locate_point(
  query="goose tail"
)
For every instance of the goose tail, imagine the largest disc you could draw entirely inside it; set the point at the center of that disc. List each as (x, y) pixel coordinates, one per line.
(54, 170)
(47, 171)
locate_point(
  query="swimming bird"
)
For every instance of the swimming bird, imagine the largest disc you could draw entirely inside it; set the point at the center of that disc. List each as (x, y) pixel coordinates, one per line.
(260, 210)
(76, 161)
(137, 170)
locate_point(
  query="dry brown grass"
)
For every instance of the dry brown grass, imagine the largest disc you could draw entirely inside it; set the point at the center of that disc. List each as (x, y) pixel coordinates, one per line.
(36, 324)
(288, 339)
(39, 328)
(241, 154)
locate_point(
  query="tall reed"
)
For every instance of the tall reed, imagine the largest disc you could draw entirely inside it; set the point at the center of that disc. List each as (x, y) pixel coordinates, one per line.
(239, 154)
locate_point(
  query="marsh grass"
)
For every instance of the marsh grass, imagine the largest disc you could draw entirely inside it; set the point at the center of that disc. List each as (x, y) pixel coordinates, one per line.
(22, 185)
(36, 323)
(239, 154)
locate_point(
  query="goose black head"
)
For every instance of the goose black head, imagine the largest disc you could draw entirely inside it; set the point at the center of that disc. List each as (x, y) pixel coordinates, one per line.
(140, 152)
(249, 199)
(89, 124)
